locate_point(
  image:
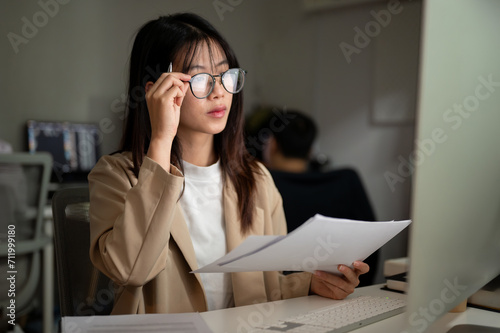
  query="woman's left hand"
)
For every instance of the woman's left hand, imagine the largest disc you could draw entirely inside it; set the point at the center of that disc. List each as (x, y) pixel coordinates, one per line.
(335, 286)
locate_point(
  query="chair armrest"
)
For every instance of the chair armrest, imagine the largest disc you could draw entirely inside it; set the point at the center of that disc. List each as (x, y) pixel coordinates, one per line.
(27, 246)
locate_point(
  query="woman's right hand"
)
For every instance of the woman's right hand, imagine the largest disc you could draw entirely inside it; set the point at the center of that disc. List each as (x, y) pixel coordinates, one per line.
(164, 99)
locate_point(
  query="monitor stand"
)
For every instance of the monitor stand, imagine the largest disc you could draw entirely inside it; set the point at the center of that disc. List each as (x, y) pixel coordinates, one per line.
(467, 328)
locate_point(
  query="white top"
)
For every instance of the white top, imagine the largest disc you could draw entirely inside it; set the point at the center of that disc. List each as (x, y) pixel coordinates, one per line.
(202, 206)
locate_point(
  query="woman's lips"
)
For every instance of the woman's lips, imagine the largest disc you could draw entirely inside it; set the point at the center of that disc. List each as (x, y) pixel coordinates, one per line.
(218, 112)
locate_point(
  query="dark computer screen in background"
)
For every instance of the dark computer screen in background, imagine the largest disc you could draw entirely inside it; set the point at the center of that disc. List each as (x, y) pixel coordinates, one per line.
(75, 147)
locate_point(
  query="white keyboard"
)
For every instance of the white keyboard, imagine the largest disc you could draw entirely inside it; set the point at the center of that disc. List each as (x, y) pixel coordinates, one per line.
(343, 316)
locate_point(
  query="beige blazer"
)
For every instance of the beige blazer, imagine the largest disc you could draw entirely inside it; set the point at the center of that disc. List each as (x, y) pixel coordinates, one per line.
(139, 239)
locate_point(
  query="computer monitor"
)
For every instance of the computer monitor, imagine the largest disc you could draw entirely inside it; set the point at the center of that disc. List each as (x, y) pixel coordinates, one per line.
(75, 147)
(455, 234)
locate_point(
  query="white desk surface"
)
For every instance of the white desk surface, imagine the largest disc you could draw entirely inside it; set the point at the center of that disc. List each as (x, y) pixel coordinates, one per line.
(240, 319)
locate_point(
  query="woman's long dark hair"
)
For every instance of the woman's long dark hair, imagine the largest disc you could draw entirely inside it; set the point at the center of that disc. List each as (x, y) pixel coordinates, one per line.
(157, 44)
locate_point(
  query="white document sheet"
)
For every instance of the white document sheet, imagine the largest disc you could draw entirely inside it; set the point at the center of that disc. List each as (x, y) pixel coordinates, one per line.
(321, 243)
(144, 323)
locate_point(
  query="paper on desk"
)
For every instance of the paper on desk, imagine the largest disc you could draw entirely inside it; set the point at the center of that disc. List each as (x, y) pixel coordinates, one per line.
(144, 323)
(321, 243)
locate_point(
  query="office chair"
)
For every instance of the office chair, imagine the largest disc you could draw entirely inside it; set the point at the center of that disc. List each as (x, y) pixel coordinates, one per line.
(24, 179)
(337, 193)
(83, 290)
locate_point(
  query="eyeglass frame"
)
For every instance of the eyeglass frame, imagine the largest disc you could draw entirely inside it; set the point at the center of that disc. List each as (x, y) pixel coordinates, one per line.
(214, 82)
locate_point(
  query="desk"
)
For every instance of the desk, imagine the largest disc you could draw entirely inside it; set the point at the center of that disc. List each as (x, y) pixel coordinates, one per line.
(240, 319)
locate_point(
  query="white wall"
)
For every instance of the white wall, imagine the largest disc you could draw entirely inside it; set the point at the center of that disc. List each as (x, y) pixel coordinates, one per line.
(75, 69)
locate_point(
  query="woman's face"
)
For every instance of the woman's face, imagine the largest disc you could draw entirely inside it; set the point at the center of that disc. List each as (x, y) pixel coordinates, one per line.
(208, 115)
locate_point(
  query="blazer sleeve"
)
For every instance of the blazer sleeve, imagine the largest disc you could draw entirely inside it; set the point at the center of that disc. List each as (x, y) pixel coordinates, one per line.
(130, 218)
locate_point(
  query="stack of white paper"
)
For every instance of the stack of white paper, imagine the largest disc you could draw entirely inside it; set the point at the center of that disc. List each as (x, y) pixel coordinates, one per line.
(321, 243)
(144, 323)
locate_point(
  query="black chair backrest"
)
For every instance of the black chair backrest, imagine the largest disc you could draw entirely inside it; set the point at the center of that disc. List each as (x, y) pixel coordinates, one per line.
(83, 290)
(338, 193)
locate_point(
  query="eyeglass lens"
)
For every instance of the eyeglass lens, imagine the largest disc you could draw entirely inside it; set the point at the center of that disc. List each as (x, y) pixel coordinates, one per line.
(232, 80)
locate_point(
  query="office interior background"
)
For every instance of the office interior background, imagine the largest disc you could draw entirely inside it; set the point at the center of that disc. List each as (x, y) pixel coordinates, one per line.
(352, 66)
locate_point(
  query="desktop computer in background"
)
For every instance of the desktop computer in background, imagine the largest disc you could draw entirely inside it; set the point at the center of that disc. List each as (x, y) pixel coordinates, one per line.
(455, 234)
(75, 148)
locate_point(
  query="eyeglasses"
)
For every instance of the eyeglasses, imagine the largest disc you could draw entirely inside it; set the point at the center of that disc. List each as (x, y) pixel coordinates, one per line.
(232, 80)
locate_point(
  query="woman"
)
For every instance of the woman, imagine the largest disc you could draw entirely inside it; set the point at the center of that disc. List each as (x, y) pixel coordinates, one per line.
(184, 190)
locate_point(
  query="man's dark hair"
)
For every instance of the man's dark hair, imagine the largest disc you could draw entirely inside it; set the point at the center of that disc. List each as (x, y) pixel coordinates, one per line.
(297, 137)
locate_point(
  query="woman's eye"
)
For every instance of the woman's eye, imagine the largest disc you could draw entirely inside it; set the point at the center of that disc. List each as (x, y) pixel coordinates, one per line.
(199, 78)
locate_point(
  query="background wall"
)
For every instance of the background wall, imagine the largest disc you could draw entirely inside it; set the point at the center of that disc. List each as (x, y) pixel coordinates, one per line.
(352, 68)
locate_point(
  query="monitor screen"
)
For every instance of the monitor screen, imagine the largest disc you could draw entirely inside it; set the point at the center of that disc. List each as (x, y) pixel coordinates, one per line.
(75, 147)
(455, 234)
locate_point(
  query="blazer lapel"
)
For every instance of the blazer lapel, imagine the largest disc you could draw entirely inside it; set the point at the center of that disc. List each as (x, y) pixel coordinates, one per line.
(180, 233)
(248, 287)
